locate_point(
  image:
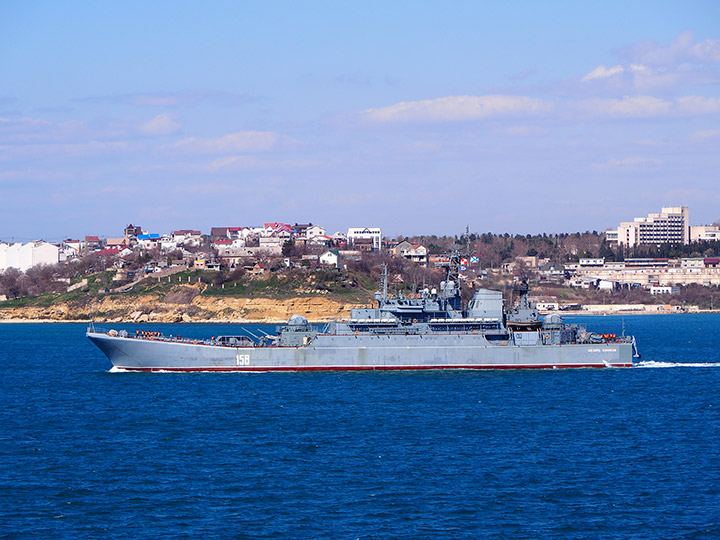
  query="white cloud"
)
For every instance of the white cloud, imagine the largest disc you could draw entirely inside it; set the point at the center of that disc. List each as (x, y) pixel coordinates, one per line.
(698, 105)
(628, 106)
(601, 72)
(242, 141)
(637, 77)
(650, 106)
(28, 129)
(683, 49)
(162, 124)
(459, 108)
(652, 79)
(648, 66)
(706, 134)
(229, 161)
(23, 122)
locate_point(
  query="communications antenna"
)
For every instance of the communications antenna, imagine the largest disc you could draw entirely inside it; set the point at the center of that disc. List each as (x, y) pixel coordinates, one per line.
(384, 279)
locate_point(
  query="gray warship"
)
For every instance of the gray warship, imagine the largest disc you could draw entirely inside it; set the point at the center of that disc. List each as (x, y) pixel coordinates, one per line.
(427, 330)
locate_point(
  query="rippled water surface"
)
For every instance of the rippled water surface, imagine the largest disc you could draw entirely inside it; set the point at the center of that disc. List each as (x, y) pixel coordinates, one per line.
(612, 453)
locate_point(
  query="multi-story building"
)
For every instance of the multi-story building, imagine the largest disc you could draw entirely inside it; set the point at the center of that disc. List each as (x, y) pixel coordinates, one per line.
(646, 272)
(131, 233)
(25, 256)
(359, 236)
(704, 232)
(670, 226)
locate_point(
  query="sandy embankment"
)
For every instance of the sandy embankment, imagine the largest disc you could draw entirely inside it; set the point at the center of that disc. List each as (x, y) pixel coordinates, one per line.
(200, 309)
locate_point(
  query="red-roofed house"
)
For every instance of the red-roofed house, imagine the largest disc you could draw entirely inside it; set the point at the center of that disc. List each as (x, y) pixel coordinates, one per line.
(218, 244)
(109, 251)
(320, 240)
(283, 232)
(92, 243)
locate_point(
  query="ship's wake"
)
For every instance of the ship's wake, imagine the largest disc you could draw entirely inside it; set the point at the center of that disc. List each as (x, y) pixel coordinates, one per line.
(652, 364)
(115, 369)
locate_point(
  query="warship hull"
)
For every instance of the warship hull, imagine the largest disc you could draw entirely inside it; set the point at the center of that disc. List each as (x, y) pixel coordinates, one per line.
(357, 353)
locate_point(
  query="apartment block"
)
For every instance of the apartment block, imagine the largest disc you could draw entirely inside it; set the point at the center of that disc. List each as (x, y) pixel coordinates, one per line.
(669, 226)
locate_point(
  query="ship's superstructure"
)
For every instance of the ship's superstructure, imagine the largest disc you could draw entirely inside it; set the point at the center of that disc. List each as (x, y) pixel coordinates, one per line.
(426, 330)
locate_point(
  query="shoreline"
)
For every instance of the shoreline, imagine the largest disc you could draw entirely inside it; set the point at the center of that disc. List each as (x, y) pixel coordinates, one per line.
(130, 321)
(283, 321)
(628, 312)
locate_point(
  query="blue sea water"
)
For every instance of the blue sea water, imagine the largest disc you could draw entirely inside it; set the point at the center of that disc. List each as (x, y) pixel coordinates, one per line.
(610, 453)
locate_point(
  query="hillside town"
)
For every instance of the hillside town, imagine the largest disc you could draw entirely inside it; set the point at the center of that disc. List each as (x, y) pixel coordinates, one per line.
(604, 263)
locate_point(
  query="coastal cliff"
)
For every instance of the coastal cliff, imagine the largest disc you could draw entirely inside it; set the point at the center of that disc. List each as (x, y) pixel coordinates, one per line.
(155, 308)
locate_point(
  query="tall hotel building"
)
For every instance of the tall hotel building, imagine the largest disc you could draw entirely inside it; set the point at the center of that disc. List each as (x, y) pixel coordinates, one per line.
(670, 226)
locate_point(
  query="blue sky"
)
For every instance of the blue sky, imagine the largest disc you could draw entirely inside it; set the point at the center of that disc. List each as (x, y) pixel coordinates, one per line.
(418, 117)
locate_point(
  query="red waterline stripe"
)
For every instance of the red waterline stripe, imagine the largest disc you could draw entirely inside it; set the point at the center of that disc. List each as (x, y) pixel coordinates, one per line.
(372, 368)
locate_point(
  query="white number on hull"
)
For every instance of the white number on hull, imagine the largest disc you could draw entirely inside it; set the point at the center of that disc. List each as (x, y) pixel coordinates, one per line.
(242, 359)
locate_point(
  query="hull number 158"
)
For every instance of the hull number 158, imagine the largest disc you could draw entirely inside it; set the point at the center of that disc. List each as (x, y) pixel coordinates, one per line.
(243, 359)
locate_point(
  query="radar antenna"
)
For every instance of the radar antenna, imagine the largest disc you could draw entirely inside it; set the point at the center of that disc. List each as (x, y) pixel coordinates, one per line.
(384, 280)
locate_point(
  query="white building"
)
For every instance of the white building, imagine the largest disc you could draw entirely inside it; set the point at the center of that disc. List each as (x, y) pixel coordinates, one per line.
(148, 241)
(339, 237)
(545, 303)
(271, 242)
(25, 256)
(605, 285)
(671, 225)
(320, 240)
(704, 232)
(67, 253)
(167, 243)
(187, 237)
(366, 233)
(413, 252)
(314, 230)
(329, 258)
(657, 289)
(692, 264)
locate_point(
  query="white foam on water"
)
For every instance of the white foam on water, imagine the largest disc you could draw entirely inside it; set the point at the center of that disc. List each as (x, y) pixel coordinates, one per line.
(652, 364)
(115, 369)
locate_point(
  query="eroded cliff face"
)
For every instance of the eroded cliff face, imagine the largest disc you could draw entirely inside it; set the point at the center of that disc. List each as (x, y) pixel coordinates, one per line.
(150, 308)
(268, 310)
